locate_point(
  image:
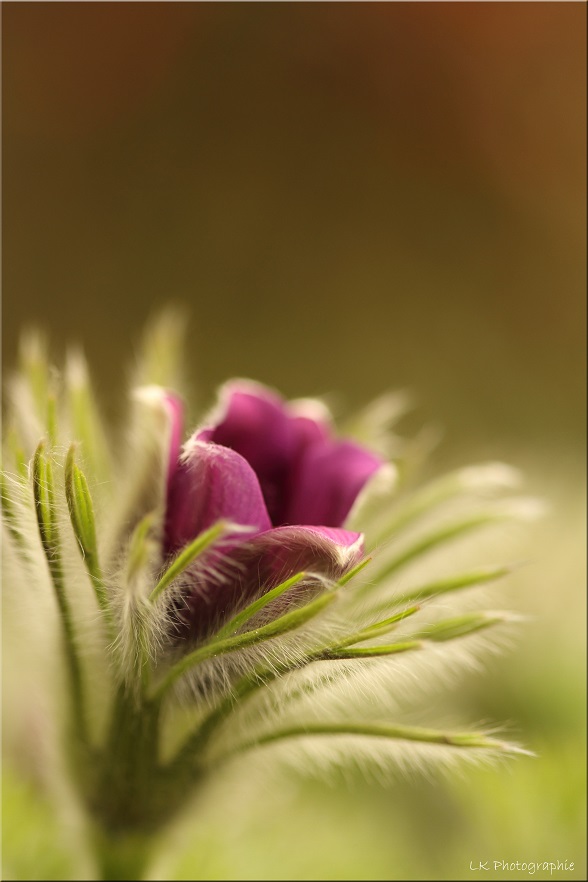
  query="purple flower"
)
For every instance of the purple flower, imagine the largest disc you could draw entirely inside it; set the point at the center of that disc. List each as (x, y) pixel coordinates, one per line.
(276, 468)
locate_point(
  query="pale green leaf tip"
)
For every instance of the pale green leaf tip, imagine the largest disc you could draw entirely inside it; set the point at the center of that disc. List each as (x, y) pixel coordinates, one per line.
(79, 504)
(70, 461)
(354, 571)
(518, 750)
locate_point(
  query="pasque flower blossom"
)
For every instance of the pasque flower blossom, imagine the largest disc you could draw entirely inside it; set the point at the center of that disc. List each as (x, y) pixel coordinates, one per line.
(231, 573)
(277, 469)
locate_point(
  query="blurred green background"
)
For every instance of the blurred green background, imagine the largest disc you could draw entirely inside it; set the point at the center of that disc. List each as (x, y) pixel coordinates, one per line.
(346, 198)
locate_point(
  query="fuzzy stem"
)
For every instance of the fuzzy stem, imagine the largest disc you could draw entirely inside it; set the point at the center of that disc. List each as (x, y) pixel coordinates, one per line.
(188, 756)
(132, 797)
(73, 665)
(453, 583)
(287, 622)
(281, 625)
(252, 609)
(121, 858)
(126, 785)
(81, 512)
(44, 494)
(378, 628)
(432, 540)
(491, 477)
(187, 557)
(461, 740)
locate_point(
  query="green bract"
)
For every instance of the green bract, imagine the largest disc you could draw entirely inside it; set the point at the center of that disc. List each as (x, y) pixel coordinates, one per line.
(307, 652)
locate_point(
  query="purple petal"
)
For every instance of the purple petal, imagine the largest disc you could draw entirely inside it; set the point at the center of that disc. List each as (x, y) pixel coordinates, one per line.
(307, 432)
(329, 478)
(274, 556)
(305, 475)
(212, 482)
(262, 562)
(254, 423)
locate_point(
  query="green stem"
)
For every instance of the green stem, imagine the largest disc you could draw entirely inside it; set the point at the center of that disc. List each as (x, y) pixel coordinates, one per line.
(122, 857)
(467, 740)
(432, 540)
(127, 789)
(188, 756)
(72, 661)
(283, 624)
(187, 557)
(131, 799)
(252, 609)
(44, 496)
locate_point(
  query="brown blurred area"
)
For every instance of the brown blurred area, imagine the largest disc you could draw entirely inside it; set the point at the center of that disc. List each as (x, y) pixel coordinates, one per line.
(346, 197)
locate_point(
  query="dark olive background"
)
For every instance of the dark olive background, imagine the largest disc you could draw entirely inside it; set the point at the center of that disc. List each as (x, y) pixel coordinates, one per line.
(345, 197)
